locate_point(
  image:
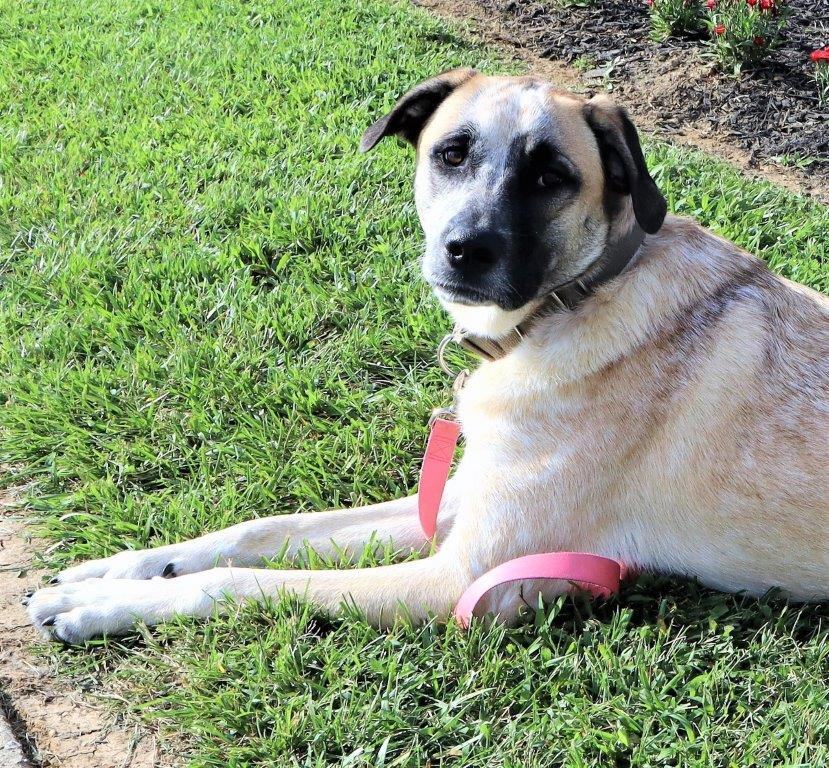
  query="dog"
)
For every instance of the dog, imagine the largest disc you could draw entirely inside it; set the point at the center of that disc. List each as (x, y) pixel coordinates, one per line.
(652, 393)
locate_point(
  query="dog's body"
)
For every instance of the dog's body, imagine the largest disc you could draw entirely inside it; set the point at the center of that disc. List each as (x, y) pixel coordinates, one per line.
(677, 419)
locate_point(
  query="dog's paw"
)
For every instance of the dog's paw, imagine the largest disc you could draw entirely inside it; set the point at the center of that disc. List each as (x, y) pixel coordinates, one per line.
(74, 613)
(143, 564)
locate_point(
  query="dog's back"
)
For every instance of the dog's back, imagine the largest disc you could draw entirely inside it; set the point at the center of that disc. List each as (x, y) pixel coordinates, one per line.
(741, 381)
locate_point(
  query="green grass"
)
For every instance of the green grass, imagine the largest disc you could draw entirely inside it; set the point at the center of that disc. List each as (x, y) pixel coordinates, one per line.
(211, 311)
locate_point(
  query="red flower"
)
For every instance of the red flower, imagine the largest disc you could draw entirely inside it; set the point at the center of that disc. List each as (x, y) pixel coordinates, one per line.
(752, 3)
(712, 4)
(719, 29)
(767, 5)
(821, 55)
(649, 3)
(760, 40)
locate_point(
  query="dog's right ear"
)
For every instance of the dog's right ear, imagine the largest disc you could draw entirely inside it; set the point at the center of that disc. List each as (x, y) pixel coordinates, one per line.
(413, 110)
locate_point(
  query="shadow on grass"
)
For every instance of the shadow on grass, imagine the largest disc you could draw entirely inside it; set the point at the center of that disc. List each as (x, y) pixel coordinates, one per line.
(660, 601)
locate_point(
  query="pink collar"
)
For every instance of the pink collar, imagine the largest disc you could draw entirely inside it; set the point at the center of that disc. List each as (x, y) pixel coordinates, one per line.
(599, 575)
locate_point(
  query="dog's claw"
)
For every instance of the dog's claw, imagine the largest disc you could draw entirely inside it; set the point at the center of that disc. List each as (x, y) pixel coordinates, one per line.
(169, 571)
(54, 580)
(49, 622)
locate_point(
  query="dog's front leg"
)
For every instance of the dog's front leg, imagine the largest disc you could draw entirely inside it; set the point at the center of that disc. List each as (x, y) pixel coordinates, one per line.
(345, 532)
(76, 612)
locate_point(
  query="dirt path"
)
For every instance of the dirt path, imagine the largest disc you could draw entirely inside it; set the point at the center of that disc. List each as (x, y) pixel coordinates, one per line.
(494, 31)
(56, 724)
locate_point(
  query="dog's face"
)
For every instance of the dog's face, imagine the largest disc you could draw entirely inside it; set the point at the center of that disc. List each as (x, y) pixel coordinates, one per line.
(519, 187)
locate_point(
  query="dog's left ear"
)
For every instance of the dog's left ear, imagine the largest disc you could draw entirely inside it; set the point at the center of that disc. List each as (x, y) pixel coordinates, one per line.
(413, 109)
(623, 161)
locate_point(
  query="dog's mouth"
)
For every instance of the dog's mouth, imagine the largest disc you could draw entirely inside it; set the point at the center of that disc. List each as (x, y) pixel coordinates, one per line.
(469, 296)
(463, 294)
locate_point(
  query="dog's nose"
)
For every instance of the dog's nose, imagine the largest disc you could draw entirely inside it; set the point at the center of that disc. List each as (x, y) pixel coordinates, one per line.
(474, 249)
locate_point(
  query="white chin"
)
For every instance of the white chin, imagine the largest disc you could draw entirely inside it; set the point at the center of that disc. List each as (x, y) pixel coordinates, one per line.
(487, 320)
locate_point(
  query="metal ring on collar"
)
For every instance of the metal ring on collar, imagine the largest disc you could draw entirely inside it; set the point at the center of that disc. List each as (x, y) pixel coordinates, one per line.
(444, 343)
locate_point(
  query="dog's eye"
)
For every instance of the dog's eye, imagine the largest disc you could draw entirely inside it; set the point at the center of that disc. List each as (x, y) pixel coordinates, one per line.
(549, 179)
(453, 156)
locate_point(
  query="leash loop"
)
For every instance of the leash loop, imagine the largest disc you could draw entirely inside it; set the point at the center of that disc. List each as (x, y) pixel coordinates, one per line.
(600, 576)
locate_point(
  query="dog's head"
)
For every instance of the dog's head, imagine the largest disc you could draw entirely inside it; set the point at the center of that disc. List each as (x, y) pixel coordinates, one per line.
(519, 188)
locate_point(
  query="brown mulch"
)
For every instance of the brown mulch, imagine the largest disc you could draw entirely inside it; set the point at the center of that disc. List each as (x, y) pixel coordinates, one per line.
(771, 112)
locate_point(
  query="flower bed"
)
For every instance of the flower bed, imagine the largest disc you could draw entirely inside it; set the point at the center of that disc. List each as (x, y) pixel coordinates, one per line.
(755, 85)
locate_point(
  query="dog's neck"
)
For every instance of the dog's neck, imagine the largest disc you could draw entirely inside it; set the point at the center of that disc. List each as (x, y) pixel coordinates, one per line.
(615, 258)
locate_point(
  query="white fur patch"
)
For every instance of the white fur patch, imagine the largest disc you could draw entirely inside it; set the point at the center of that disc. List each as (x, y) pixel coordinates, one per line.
(487, 320)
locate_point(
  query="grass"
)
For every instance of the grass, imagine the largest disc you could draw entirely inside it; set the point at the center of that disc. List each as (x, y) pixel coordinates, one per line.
(211, 311)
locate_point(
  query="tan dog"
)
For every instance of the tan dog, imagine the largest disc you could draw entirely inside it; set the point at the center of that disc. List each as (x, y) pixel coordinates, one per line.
(665, 402)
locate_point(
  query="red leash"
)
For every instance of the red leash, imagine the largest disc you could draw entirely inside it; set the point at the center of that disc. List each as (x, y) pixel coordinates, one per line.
(599, 575)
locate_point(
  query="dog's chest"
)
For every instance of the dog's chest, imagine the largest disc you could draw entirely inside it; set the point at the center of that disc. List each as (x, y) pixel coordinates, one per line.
(535, 459)
(516, 418)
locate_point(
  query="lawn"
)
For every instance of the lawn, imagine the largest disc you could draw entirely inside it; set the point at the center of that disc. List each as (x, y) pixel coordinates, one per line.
(211, 311)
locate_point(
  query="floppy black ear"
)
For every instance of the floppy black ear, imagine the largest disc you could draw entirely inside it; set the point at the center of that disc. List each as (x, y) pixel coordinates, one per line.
(624, 163)
(414, 109)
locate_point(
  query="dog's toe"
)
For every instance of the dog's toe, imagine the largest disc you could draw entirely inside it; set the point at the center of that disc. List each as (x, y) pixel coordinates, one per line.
(78, 611)
(57, 612)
